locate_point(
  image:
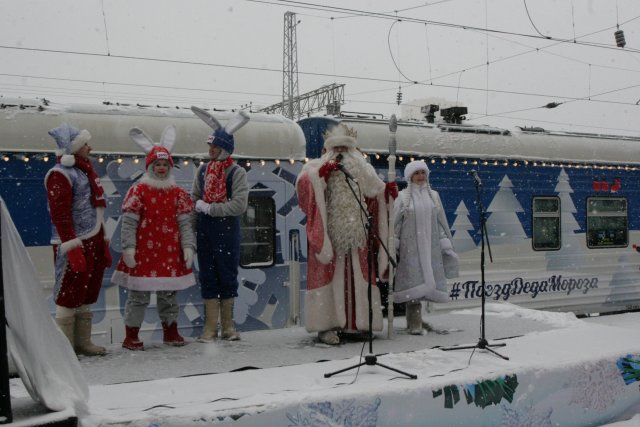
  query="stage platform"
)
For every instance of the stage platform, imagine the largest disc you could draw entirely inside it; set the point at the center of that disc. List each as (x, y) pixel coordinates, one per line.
(561, 371)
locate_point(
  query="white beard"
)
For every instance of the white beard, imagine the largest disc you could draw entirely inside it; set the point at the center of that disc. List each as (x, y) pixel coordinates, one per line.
(345, 220)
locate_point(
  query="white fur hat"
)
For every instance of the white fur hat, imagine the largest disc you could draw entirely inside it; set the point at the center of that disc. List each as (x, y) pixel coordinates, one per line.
(340, 136)
(413, 167)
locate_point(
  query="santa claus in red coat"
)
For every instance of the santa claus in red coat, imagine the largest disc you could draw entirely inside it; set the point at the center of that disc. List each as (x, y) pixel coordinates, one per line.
(338, 242)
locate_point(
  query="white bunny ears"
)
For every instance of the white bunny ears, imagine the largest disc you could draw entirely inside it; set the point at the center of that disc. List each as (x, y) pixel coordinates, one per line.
(167, 140)
(155, 151)
(232, 126)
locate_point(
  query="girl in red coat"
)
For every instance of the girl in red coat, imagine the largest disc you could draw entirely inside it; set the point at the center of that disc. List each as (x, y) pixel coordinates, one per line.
(157, 242)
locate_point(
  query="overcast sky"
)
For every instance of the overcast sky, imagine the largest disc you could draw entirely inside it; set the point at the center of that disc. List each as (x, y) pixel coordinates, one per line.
(228, 54)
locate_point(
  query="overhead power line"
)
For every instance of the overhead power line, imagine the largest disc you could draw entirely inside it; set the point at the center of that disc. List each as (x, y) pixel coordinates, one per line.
(457, 87)
(355, 12)
(383, 15)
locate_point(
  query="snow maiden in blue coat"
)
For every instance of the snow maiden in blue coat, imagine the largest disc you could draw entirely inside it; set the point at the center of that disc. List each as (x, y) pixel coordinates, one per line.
(221, 193)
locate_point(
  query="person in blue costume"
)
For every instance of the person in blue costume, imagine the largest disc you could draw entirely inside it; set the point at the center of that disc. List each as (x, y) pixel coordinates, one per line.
(221, 193)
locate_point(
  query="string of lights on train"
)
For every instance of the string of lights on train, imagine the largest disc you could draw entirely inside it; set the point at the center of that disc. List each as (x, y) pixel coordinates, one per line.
(198, 159)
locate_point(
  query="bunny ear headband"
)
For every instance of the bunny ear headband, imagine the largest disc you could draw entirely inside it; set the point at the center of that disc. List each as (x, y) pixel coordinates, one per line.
(232, 126)
(152, 150)
(167, 140)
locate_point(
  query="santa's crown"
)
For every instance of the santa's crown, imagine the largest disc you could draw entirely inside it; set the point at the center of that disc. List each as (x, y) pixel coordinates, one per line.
(340, 130)
(340, 136)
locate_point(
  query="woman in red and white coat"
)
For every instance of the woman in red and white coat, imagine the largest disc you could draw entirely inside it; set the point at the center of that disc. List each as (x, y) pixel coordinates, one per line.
(158, 242)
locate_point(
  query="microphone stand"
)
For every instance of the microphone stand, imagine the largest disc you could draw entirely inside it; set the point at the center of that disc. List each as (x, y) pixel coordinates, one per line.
(369, 359)
(391, 177)
(482, 344)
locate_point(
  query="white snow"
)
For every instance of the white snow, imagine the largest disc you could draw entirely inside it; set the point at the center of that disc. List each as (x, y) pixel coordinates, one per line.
(561, 371)
(178, 386)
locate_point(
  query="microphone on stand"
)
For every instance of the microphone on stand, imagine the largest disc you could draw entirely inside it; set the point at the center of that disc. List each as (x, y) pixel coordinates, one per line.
(343, 169)
(476, 178)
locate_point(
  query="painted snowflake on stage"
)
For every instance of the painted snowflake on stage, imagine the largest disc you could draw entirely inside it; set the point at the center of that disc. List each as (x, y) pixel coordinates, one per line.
(595, 386)
(530, 417)
(345, 413)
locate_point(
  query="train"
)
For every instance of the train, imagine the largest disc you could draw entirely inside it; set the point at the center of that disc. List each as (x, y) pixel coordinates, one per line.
(559, 208)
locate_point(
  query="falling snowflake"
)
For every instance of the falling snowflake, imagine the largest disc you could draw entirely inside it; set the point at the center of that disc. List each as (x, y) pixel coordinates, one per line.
(596, 386)
(345, 413)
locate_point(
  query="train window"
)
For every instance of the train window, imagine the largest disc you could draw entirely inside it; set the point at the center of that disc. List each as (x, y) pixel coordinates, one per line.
(257, 228)
(546, 223)
(607, 222)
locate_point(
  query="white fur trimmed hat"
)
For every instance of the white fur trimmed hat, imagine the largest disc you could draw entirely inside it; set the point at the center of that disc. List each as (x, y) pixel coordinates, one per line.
(340, 136)
(69, 141)
(413, 167)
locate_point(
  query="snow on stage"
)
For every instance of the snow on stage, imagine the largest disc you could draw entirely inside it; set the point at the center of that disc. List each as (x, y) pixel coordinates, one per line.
(561, 371)
(578, 373)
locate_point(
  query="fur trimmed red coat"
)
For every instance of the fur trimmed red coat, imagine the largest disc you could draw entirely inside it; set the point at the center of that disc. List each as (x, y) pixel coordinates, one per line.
(329, 302)
(159, 253)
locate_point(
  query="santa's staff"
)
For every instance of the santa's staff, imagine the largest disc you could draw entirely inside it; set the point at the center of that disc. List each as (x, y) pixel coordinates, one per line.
(391, 177)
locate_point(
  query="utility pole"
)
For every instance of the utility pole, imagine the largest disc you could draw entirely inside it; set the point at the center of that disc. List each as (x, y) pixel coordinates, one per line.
(293, 104)
(290, 99)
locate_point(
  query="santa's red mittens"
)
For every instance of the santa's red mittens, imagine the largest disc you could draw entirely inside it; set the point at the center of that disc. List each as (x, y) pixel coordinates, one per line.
(390, 191)
(76, 260)
(326, 169)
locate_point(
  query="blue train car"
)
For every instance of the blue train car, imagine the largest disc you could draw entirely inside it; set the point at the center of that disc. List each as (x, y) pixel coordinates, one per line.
(560, 207)
(270, 147)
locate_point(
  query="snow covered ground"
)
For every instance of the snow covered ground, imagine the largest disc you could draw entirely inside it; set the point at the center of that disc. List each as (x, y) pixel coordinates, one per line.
(561, 371)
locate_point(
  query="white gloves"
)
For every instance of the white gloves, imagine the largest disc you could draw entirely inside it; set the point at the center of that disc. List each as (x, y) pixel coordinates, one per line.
(202, 206)
(129, 257)
(188, 257)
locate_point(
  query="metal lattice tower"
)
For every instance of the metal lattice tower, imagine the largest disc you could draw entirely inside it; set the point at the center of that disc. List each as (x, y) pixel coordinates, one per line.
(290, 99)
(329, 96)
(293, 104)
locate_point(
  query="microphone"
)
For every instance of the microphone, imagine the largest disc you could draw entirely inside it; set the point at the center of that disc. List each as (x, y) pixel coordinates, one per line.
(343, 169)
(476, 178)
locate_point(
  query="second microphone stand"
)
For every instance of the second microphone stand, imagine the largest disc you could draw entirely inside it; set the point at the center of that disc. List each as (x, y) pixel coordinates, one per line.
(482, 344)
(369, 359)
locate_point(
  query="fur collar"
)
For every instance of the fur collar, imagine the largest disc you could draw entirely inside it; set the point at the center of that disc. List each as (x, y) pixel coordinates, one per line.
(152, 180)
